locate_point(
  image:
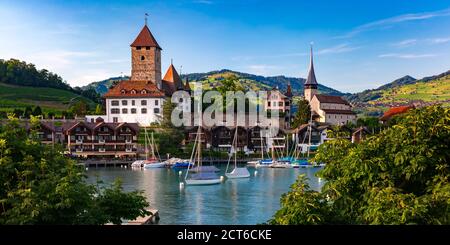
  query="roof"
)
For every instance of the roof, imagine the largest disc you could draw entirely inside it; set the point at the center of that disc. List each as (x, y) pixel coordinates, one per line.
(171, 81)
(331, 99)
(333, 111)
(362, 130)
(145, 39)
(186, 85)
(134, 89)
(311, 79)
(395, 111)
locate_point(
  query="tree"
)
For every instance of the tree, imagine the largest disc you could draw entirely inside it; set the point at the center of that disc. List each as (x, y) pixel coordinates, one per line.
(303, 114)
(41, 186)
(98, 109)
(170, 137)
(28, 111)
(399, 176)
(37, 111)
(80, 108)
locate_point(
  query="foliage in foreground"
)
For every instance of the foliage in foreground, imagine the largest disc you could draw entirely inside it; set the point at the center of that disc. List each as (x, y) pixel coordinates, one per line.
(400, 176)
(40, 186)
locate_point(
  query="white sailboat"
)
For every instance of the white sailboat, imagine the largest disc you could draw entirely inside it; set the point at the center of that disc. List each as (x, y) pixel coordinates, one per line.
(201, 177)
(236, 172)
(153, 161)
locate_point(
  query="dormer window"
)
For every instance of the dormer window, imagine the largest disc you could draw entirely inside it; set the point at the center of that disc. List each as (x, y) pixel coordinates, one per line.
(144, 91)
(133, 91)
(123, 91)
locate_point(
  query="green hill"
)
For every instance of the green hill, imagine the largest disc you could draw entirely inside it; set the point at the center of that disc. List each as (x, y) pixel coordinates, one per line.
(22, 85)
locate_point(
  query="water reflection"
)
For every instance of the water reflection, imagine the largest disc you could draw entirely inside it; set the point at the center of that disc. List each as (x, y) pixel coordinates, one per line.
(236, 201)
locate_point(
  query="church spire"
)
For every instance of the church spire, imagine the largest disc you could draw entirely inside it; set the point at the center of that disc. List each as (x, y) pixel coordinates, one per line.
(311, 79)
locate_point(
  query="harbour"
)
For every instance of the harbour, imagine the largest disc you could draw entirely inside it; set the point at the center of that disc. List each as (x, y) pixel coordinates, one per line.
(246, 201)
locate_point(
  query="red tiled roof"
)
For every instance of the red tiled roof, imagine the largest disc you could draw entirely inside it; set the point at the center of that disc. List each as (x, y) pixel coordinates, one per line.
(145, 39)
(128, 88)
(171, 81)
(333, 111)
(331, 99)
(395, 111)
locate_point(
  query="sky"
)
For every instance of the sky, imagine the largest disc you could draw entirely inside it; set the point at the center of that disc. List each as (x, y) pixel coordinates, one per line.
(357, 45)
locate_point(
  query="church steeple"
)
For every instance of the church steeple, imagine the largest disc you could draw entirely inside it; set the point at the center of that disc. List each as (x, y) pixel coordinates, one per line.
(310, 85)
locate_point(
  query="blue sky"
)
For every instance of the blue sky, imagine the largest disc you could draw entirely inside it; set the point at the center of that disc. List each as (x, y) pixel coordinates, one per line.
(358, 44)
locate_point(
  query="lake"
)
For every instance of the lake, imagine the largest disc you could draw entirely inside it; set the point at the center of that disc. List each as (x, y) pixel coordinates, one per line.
(246, 201)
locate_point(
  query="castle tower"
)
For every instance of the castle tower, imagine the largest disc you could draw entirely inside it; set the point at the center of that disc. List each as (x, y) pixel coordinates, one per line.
(146, 58)
(310, 86)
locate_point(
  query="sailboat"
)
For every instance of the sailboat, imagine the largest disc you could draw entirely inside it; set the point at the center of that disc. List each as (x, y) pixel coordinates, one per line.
(152, 162)
(202, 176)
(237, 172)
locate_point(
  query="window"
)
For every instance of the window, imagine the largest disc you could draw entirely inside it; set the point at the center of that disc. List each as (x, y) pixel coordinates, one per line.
(138, 48)
(115, 119)
(143, 102)
(132, 102)
(133, 91)
(124, 110)
(144, 110)
(147, 48)
(181, 100)
(133, 110)
(115, 103)
(286, 103)
(268, 103)
(142, 57)
(123, 91)
(156, 110)
(280, 103)
(124, 102)
(156, 102)
(115, 111)
(144, 91)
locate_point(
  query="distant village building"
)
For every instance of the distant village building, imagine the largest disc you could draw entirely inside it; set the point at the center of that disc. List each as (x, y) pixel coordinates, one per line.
(329, 109)
(360, 134)
(140, 99)
(276, 100)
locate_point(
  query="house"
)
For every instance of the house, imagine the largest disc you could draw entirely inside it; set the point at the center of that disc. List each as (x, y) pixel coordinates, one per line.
(328, 109)
(91, 139)
(360, 134)
(276, 100)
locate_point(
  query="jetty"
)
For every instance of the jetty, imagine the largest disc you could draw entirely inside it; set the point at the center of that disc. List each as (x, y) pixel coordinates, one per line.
(150, 219)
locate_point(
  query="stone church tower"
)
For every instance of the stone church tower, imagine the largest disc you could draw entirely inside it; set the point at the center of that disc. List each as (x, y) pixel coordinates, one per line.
(310, 86)
(146, 58)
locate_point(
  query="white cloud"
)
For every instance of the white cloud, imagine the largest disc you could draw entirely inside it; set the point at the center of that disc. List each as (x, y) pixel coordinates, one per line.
(341, 48)
(383, 23)
(405, 43)
(406, 56)
(203, 2)
(440, 40)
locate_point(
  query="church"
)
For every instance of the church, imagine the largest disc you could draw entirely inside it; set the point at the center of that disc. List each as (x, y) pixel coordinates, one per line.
(327, 109)
(140, 99)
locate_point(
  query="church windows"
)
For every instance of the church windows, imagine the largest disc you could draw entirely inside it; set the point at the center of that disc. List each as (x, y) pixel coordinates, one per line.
(144, 110)
(124, 110)
(124, 102)
(114, 103)
(142, 57)
(143, 102)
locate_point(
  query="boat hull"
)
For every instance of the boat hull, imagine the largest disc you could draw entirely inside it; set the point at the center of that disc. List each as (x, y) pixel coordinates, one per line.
(231, 176)
(202, 181)
(154, 165)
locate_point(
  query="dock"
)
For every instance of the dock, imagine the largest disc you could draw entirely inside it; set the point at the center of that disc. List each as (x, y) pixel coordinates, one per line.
(150, 219)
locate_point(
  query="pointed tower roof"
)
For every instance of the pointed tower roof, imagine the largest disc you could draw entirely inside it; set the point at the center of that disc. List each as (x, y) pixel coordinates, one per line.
(145, 39)
(187, 87)
(288, 90)
(172, 79)
(311, 79)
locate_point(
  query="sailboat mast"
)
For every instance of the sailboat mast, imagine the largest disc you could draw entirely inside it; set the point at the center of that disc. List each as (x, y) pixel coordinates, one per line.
(199, 148)
(235, 148)
(145, 143)
(309, 141)
(262, 147)
(153, 145)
